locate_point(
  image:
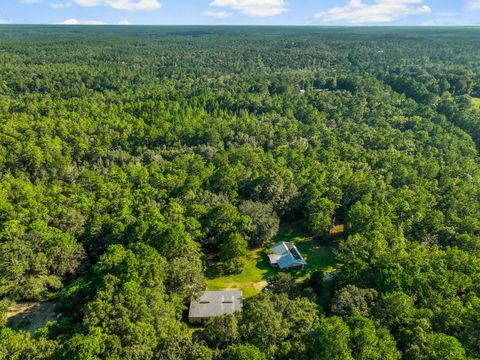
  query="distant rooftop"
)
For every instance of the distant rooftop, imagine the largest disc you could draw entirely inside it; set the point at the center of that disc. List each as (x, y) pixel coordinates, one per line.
(215, 303)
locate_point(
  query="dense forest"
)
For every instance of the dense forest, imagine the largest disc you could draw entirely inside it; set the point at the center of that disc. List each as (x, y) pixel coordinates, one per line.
(130, 157)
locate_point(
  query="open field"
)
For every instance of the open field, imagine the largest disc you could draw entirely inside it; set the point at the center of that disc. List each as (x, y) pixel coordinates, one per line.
(257, 269)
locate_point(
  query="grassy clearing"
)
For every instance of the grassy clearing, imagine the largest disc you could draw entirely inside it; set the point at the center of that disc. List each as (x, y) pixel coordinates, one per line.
(31, 316)
(476, 102)
(257, 269)
(251, 280)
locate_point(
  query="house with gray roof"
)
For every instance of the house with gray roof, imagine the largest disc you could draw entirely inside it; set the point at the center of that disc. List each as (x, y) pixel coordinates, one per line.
(215, 303)
(285, 255)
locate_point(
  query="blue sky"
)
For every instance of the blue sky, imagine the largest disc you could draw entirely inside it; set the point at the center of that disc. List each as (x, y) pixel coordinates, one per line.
(235, 12)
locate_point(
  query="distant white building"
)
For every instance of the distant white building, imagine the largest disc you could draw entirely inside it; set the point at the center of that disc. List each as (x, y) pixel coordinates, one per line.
(215, 303)
(285, 255)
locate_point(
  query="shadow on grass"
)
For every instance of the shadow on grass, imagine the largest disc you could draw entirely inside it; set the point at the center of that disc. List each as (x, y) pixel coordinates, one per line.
(31, 316)
(264, 265)
(257, 260)
(213, 272)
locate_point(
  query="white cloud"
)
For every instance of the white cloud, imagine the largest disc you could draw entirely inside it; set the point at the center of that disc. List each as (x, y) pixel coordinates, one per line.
(60, 5)
(217, 14)
(260, 8)
(122, 4)
(474, 4)
(89, 2)
(81, 22)
(124, 22)
(382, 11)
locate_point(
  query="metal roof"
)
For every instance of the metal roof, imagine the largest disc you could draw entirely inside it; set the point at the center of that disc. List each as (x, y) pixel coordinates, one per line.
(216, 303)
(286, 255)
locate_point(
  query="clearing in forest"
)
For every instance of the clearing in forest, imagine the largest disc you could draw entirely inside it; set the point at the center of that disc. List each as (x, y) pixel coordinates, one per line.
(476, 102)
(30, 316)
(256, 269)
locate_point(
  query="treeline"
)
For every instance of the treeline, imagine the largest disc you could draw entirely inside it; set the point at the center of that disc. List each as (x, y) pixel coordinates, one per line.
(128, 157)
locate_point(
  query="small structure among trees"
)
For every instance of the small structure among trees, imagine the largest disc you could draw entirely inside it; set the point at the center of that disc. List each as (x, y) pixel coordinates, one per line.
(285, 255)
(215, 303)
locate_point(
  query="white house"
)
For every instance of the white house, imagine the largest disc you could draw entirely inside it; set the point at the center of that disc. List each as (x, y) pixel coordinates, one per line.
(285, 255)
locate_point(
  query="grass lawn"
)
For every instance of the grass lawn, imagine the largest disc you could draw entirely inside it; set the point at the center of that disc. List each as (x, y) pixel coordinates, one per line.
(251, 280)
(257, 269)
(476, 102)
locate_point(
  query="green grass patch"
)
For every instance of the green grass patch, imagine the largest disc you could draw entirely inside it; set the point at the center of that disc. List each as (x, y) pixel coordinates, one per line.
(476, 102)
(257, 269)
(251, 280)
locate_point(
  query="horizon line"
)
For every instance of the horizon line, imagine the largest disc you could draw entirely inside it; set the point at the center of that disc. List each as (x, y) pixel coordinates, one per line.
(249, 25)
